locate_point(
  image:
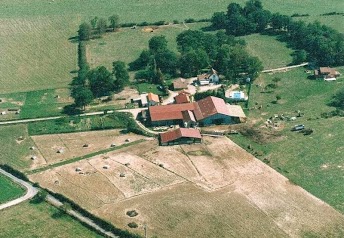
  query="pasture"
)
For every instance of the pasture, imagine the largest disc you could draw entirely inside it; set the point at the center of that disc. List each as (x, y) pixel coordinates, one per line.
(40, 220)
(36, 52)
(9, 190)
(313, 162)
(189, 187)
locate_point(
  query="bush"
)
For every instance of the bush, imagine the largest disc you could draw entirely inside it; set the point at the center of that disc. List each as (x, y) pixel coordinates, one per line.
(130, 24)
(189, 20)
(133, 225)
(143, 23)
(39, 197)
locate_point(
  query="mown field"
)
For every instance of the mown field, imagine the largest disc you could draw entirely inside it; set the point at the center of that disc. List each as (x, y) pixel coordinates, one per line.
(215, 188)
(40, 220)
(15, 149)
(315, 161)
(9, 190)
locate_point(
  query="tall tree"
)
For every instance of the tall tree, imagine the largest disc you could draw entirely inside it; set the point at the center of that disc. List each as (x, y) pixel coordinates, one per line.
(157, 44)
(82, 96)
(101, 81)
(94, 22)
(85, 31)
(218, 20)
(101, 26)
(120, 72)
(114, 22)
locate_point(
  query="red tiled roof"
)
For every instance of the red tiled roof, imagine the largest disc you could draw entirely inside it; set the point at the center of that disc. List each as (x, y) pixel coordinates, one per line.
(182, 98)
(153, 97)
(210, 106)
(169, 112)
(203, 76)
(188, 116)
(179, 133)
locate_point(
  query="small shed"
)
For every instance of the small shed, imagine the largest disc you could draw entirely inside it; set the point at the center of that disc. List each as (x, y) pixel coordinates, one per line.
(179, 84)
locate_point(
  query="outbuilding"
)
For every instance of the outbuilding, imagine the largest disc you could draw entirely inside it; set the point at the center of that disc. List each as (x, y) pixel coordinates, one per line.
(180, 136)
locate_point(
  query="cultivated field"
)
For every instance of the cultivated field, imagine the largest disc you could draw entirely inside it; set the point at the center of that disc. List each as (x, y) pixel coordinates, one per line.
(9, 190)
(72, 145)
(40, 220)
(193, 191)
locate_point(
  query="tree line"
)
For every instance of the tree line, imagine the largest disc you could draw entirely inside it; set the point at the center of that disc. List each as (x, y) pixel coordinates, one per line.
(94, 83)
(313, 42)
(97, 27)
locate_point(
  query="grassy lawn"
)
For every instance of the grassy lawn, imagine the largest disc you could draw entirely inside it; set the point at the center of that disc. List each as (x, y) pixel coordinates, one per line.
(9, 190)
(148, 88)
(77, 124)
(40, 220)
(315, 162)
(271, 52)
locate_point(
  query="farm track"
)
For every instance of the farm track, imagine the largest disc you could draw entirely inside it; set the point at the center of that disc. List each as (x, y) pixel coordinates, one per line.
(31, 191)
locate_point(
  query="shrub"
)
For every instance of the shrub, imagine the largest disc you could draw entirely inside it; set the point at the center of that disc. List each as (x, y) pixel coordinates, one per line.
(133, 225)
(189, 20)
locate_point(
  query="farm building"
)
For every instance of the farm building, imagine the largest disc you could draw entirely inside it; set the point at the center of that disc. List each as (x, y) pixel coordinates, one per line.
(180, 136)
(208, 111)
(146, 100)
(179, 84)
(182, 97)
(169, 114)
(212, 110)
(326, 73)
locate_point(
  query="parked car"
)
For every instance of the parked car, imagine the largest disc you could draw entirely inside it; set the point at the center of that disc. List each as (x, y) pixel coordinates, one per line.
(298, 128)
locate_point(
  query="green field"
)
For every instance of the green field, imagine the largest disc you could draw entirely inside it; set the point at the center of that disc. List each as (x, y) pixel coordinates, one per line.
(9, 190)
(271, 52)
(40, 220)
(36, 53)
(315, 162)
(77, 124)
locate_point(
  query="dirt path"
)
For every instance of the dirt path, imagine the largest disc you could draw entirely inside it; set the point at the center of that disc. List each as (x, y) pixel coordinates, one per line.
(31, 191)
(284, 68)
